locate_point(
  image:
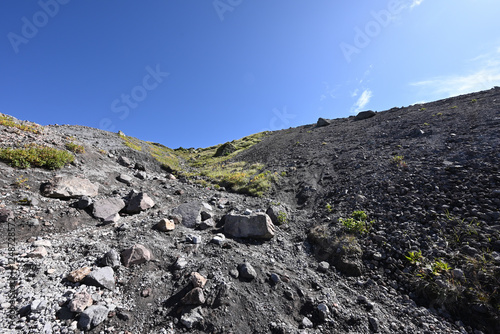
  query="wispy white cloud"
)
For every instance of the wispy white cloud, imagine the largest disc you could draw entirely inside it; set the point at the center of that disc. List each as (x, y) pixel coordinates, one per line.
(363, 100)
(355, 93)
(485, 75)
(416, 3)
(328, 92)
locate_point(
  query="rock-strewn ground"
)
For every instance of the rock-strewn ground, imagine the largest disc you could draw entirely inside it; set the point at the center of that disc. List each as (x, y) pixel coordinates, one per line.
(425, 260)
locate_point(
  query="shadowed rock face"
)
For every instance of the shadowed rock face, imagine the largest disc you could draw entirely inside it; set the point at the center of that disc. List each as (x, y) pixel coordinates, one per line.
(425, 259)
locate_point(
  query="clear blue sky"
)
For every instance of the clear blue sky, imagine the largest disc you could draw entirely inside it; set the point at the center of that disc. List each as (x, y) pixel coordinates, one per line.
(197, 73)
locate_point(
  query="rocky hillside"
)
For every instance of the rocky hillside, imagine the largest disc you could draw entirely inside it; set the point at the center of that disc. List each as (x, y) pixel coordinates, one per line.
(386, 222)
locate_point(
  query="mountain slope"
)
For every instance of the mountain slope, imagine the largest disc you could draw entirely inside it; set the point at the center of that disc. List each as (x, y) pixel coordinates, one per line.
(384, 224)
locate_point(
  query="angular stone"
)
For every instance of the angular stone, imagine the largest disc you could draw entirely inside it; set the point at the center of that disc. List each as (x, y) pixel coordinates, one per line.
(190, 213)
(65, 186)
(198, 280)
(322, 122)
(42, 242)
(246, 271)
(277, 213)
(225, 149)
(373, 324)
(258, 226)
(193, 239)
(218, 239)
(205, 215)
(139, 202)
(192, 318)
(124, 161)
(84, 202)
(180, 264)
(139, 166)
(111, 259)
(125, 178)
(93, 316)
(38, 252)
(38, 305)
(364, 115)
(112, 219)
(102, 277)
(206, 224)
(306, 323)
(165, 225)
(323, 267)
(80, 302)
(141, 175)
(107, 207)
(194, 297)
(5, 215)
(78, 274)
(137, 254)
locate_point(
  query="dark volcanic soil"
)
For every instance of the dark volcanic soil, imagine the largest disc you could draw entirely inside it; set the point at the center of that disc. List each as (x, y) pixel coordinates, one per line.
(427, 259)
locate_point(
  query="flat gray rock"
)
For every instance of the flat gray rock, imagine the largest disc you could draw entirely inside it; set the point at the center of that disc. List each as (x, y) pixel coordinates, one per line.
(190, 213)
(102, 277)
(107, 207)
(66, 186)
(258, 226)
(92, 316)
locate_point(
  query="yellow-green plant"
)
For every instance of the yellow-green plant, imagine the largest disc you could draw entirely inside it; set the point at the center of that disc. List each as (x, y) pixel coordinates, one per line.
(414, 257)
(75, 148)
(36, 155)
(439, 266)
(282, 217)
(399, 161)
(21, 182)
(357, 223)
(131, 142)
(9, 121)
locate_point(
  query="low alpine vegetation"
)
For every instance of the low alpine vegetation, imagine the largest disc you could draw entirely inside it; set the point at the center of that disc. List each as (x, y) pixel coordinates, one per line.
(75, 148)
(9, 122)
(357, 223)
(34, 155)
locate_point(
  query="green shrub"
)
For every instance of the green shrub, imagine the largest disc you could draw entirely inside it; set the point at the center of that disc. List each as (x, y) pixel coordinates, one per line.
(357, 223)
(9, 121)
(439, 266)
(282, 218)
(37, 156)
(75, 148)
(399, 161)
(414, 257)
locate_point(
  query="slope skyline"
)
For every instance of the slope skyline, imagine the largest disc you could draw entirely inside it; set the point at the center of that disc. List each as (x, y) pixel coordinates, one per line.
(195, 75)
